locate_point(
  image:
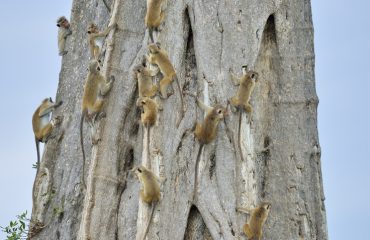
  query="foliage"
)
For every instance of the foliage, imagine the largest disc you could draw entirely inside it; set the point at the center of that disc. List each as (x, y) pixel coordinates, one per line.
(17, 229)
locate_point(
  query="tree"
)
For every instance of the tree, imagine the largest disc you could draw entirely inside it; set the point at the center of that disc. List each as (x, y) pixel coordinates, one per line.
(204, 40)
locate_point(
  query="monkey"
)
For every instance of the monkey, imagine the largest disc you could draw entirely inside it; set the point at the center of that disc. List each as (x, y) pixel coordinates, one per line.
(246, 84)
(148, 116)
(154, 16)
(96, 39)
(95, 88)
(207, 131)
(63, 32)
(258, 216)
(159, 57)
(42, 125)
(150, 190)
(144, 77)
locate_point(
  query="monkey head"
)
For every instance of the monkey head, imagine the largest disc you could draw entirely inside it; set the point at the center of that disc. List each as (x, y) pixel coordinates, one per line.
(94, 66)
(92, 28)
(63, 22)
(219, 112)
(253, 75)
(266, 206)
(142, 101)
(154, 47)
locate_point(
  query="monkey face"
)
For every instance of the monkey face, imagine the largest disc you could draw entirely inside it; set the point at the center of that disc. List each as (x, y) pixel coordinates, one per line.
(62, 22)
(94, 66)
(220, 112)
(141, 101)
(266, 206)
(253, 75)
(92, 28)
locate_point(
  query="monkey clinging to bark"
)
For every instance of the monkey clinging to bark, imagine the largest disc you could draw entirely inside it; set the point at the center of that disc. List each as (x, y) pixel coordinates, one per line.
(63, 32)
(42, 125)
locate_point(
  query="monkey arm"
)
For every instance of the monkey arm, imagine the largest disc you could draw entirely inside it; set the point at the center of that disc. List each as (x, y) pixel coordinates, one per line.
(234, 79)
(106, 87)
(244, 210)
(106, 31)
(47, 110)
(204, 107)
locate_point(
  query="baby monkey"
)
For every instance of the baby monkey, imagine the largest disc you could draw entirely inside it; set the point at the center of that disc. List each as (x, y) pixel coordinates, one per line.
(42, 125)
(159, 57)
(144, 75)
(246, 84)
(206, 132)
(96, 39)
(96, 87)
(148, 117)
(258, 216)
(63, 32)
(154, 16)
(150, 190)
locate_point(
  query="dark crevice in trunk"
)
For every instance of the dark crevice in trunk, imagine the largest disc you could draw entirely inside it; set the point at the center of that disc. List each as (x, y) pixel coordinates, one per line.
(196, 228)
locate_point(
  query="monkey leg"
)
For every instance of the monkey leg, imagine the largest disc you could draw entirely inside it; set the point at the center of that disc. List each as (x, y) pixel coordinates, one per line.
(247, 231)
(108, 86)
(163, 85)
(248, 108)
(145, 197)
(159, 21)
(96, 52)
(234, 101)
(61, 47)
(46, 132)
(97, 106)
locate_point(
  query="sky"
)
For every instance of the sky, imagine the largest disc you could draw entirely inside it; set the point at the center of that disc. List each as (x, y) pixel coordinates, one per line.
(30, 72)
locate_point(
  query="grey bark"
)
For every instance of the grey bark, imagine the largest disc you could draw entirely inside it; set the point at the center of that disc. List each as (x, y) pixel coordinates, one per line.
(204, 39)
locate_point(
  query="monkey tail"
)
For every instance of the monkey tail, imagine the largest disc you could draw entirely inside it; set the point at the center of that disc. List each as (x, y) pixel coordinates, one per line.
(151, 33)
(239, 135)
(82, 148)
(147, 147)
(196, 170)
(38, 154)
(149, 220)
(182, 110)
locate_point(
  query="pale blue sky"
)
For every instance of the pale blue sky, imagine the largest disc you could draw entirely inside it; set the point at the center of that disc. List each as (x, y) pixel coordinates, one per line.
(30, 72)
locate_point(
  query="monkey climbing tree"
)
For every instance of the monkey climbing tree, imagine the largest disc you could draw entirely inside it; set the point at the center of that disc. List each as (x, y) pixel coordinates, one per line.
(205, 40)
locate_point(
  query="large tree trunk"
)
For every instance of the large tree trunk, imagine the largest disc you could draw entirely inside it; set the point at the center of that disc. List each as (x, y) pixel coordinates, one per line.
(204, 39)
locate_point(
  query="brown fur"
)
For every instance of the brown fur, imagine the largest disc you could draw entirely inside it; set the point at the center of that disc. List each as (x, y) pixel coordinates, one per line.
(95, 88)
(41, 124)
(145, 84)
(63, 32)
(150, 190)
(253, 229)
(160, 58)
(154, 16)
(207, 132)
(95, 36)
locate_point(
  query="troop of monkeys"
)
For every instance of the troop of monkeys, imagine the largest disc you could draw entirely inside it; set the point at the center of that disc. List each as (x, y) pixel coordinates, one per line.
(96, 87)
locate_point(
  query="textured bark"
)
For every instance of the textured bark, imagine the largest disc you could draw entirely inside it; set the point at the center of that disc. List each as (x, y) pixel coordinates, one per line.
(204, 39)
